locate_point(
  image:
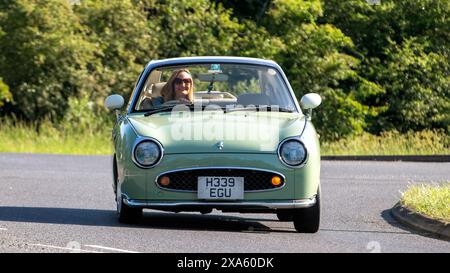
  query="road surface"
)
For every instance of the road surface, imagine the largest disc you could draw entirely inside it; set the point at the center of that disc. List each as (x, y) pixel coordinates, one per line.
(64, 203)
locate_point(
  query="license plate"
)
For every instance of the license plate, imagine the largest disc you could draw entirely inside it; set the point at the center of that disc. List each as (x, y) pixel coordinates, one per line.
(220, 188)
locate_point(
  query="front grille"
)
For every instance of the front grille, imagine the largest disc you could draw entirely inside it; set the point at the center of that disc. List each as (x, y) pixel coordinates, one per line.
(254, 180)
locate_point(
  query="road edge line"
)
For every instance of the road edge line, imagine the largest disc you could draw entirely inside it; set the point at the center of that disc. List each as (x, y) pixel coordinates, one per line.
(111, 248)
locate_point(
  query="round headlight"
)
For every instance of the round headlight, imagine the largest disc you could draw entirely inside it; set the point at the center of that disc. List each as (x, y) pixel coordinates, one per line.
(292, 153)
(147, 153)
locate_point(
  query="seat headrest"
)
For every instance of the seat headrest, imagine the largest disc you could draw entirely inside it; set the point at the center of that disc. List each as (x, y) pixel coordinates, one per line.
(156, 89)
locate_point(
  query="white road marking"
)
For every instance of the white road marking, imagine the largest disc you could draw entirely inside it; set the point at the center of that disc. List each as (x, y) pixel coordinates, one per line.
(65, 248)
(4, 229)
(110, 248)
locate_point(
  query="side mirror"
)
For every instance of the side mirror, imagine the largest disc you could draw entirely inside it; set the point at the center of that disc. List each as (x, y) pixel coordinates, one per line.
(310, 101)
(114, 102)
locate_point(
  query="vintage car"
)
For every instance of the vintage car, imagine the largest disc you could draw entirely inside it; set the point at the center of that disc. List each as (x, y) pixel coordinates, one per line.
(233, 139)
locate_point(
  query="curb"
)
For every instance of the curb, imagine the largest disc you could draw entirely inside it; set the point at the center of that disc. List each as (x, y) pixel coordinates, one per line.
(406, 158)
(420, 222)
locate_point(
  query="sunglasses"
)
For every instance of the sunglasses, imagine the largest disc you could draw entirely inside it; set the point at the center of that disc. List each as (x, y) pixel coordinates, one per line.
(181, 81)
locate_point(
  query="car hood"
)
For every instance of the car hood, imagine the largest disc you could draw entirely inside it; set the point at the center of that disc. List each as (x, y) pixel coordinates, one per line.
(218, 132)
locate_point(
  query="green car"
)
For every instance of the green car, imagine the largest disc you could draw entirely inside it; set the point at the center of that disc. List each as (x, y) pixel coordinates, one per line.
(225, 133)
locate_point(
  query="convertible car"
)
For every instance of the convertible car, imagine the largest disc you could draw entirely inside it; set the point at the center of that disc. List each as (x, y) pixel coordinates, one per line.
(237, 140)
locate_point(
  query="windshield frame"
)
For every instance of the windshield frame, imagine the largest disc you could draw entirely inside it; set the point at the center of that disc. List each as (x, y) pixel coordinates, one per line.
(183, 62)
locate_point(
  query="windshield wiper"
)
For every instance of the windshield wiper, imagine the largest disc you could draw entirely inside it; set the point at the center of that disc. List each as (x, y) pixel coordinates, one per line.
(261, 108)
(191, 107)
(158, 110)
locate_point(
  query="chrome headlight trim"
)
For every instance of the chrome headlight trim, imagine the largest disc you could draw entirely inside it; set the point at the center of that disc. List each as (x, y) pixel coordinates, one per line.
(140, 140)
(305, 160)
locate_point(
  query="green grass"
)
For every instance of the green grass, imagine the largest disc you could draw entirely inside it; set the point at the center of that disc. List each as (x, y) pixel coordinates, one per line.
(391, 143)
(430, 200)
(76, 138)
(19, 137)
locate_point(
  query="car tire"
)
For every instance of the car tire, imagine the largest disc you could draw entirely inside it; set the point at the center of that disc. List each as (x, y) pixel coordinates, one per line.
(285, 216)
(127, 214)
(308, 220)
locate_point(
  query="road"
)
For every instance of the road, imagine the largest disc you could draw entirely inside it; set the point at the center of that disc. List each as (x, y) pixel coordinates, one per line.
(62, 203)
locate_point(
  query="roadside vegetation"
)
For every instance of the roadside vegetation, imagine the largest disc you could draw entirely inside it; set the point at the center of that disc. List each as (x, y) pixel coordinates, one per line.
(429, 199)
(78, 136)
(390, 84)
(21, 137)
(427, 142)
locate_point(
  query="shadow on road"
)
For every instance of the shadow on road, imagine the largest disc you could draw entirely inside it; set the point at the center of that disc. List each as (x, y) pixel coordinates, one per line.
(387, 216)
(151, 219)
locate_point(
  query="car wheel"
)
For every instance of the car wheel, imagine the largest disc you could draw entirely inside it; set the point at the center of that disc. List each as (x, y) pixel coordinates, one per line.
(285, 216)
(308, 220)
(127, 214)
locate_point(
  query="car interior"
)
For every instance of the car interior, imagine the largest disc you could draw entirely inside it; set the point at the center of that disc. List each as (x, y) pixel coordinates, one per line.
(262, 92)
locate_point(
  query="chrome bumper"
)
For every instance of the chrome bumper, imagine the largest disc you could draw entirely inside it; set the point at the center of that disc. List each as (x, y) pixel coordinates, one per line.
(283, 204)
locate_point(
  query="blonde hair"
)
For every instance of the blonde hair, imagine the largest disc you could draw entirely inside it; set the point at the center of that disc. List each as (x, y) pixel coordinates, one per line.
(168, 91)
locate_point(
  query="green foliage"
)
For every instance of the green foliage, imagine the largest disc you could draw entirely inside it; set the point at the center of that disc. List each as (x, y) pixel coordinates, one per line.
(426, 142)
(404, 48)
(283, 16)
(417, 87)
(85, 117)
(315, 60)
(255, 41)
(42, 55)
(51, 50)
(123, 45)
(377, 67)
(246, 9)
(192, 28)
(5, 95)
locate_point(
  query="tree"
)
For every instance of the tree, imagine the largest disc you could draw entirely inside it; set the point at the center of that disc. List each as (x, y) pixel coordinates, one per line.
(52, 50)
(417, 87)
(315, 58)
(43, 56)
(404, 48)
(123, 45)
(192, 28)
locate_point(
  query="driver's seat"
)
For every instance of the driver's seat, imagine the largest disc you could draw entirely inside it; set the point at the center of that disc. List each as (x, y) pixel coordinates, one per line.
(146, 103)
(156, 89)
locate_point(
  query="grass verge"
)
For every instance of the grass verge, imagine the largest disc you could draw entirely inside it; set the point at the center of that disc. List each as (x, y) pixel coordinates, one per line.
(391, 143)
(430, 200)
(19, 137)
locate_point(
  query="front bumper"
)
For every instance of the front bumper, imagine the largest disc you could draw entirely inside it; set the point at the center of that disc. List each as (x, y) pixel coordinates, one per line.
(232, 205)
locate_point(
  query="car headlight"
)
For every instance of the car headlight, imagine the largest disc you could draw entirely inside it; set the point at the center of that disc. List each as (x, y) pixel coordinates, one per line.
(292, 153)
(147, 153)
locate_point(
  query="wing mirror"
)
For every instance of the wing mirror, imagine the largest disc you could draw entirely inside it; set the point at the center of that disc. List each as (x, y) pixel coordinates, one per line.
(310, 101)
(114, 103)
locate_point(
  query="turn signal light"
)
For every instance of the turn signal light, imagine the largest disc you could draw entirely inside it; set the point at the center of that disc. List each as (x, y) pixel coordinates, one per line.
(276, 181)
(164, 181)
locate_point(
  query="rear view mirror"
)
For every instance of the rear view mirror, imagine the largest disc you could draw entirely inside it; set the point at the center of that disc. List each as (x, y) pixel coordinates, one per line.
(208, 77)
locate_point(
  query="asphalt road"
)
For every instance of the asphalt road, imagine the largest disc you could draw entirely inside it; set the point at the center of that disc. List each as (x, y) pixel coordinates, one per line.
(60, 203)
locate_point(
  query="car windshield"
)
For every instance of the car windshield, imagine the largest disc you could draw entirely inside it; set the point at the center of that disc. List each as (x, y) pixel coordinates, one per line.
(228, 86)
